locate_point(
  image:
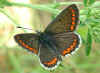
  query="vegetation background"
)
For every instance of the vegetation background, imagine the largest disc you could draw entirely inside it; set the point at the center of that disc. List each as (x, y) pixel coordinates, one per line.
(36, 14)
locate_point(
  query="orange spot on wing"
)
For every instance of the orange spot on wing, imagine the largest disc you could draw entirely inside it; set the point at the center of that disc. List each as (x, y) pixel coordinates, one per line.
(66, 51)
(73, 14)
(72, 28)
(73, 18)
(71, 48)
(74, 43)
(73, 10)
(53, 61)
(28, 47)
(73, 23)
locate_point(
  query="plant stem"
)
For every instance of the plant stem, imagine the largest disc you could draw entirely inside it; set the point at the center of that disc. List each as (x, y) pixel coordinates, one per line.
(8, 15)
(39, 7)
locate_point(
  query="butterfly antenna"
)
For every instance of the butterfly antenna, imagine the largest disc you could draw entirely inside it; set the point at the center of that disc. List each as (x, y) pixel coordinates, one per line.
(23, 28)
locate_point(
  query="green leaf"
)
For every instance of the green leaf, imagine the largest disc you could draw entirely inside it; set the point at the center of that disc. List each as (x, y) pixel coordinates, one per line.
(91, 2)
(85, 2)
(88, 2)
(88, 42)
(2, 3)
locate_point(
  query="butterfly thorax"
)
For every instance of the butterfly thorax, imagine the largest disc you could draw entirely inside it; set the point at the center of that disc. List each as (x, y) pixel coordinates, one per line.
(47, 40)
(44, 38)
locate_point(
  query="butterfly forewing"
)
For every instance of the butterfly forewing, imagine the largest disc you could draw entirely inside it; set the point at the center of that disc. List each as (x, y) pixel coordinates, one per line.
(67, 43)
(28, 41)
(66, 21)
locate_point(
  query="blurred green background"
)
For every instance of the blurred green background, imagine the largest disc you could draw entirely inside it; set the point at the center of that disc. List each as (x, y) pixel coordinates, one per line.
(36, 14)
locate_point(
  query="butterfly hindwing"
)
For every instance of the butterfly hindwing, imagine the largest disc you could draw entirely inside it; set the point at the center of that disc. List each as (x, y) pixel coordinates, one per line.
(66, 21)
(28, 41)
(49, 59)
(67, 43)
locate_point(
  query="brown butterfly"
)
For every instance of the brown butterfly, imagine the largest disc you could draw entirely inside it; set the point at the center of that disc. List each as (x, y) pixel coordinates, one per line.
(58, 39)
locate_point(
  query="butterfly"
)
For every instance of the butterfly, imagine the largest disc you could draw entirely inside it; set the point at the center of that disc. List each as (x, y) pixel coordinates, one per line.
(58, 39)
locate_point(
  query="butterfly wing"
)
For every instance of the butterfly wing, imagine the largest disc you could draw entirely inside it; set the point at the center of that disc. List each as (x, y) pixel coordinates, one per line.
(66, 21)
(49, 59)
(28, 41)
(67, 43)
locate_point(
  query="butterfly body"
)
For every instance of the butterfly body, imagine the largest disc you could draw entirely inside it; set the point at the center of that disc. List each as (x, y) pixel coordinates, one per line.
(58, 39)
(48, 40)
